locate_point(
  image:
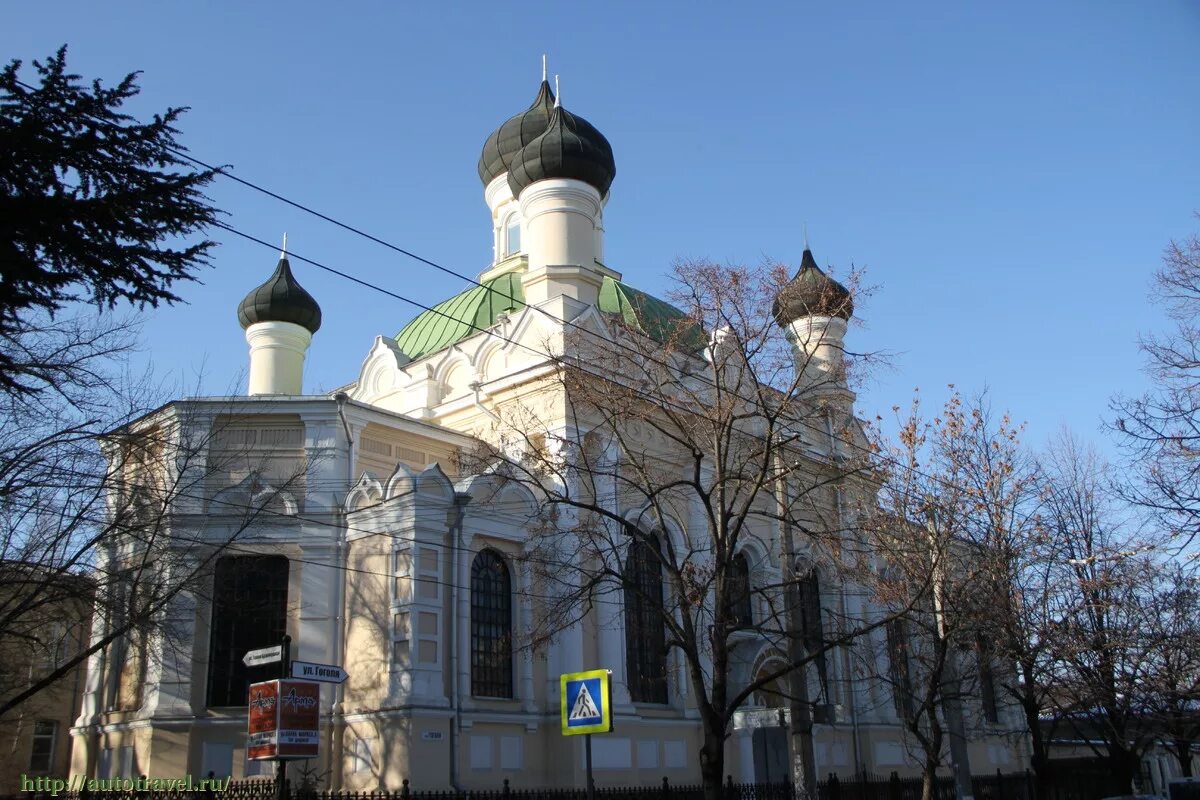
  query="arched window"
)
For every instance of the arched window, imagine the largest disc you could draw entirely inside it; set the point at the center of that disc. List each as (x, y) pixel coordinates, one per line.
(987, 681)
(491, 626)
(899, 669)
(645, 630)
(774, 693)
(512, 235)
(249, 611)
(738, 592)
(812, 629)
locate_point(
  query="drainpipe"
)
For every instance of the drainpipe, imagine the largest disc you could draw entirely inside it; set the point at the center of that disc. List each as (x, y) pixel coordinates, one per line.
(337, 728)
(476, 387)
(457, 551)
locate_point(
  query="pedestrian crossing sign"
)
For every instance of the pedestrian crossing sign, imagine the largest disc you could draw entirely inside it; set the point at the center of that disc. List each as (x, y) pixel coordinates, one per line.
(586, 701)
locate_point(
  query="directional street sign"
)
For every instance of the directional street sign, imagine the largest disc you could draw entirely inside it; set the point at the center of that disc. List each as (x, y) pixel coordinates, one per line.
(263, 655)
(325, 673)
(586, 702)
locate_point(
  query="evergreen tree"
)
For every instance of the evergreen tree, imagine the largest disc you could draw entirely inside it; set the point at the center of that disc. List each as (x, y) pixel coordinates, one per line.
(95, 206)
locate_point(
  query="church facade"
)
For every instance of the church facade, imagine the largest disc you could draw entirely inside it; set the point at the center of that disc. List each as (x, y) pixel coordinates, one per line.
(348, 522)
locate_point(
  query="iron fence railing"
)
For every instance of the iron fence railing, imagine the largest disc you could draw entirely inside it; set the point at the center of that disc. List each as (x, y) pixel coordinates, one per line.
(863, 786)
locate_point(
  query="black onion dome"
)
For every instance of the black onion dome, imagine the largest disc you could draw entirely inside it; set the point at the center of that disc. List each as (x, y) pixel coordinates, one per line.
(571, 147)
(811, 293)
(280, 299)
(516, 132)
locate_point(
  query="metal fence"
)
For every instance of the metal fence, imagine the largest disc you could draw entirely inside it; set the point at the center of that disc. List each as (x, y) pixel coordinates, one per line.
(1013, 786)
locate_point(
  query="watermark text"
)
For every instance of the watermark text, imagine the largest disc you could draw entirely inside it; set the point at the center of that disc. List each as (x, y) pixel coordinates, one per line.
(138, 783)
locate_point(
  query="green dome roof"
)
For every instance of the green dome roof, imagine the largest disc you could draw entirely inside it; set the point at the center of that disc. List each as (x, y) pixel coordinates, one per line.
(479, 307)
(461, 316)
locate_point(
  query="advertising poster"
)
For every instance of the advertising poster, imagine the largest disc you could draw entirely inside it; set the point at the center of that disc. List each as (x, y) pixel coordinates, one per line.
(299, 718)
(263, 720)
(283, 720)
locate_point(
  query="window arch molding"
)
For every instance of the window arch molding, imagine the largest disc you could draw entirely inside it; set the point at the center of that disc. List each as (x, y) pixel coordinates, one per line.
(775, 693)
(663, 525)
(491, 625)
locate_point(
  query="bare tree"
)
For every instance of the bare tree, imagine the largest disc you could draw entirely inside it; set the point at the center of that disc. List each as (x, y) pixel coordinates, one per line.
(999, 488)
(953, 492)
(94, 472)
(1102, 650)
(1162, 428)
(700, 450)
(1173, 624)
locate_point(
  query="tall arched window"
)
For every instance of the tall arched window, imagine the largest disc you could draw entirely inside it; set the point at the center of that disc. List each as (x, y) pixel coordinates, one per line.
(899, 669)
(645, 630)
(738, 592)
(491, 626)
(249, 611)
(812, 628)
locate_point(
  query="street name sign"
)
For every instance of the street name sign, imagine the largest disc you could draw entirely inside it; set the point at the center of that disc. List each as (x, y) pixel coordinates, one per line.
(263, 655)
(325, 673)
(586, 702)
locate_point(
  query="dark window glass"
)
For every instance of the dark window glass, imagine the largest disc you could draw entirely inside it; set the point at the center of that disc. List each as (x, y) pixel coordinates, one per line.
(491, 627)
(249, 612)
(645, 629)
(740, 607)
(812, 628)
(987, 684)
(897, 641)
(44, 733)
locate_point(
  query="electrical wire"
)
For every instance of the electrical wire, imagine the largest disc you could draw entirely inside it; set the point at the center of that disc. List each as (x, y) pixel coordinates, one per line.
(224, 172)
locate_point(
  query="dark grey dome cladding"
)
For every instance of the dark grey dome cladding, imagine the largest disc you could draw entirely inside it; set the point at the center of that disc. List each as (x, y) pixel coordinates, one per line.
(280, 299)
(506, 141)
(571, 147)
(811, 293)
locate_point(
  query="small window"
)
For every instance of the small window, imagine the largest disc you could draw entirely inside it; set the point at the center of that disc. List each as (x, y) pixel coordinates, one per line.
(361, 757)
(401, 655)
(512, 235)
(45, 731)
(54, 649)
(401, 576)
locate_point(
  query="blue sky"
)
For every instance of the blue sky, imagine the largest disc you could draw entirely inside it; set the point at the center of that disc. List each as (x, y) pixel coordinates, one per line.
(1007, 173)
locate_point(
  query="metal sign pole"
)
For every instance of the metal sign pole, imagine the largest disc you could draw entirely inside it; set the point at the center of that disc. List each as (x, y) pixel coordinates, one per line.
(591, 784)
(285, 669)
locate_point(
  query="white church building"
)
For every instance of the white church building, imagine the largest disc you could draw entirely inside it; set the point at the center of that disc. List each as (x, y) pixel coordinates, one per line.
(373, 550)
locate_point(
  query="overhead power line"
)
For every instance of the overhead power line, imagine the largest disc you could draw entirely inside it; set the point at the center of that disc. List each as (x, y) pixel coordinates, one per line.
(224, 172)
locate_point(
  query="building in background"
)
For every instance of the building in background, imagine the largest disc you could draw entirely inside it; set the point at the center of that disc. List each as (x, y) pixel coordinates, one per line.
(36, 734)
